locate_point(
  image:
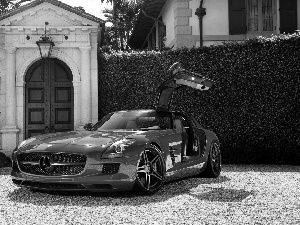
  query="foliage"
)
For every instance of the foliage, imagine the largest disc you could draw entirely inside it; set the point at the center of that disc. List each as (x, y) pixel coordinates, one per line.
(122, 16)
(80, 8)
(253, 106)
(6, 5)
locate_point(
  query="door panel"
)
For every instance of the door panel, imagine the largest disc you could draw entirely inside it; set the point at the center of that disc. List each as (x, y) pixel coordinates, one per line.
(173, 162)
(200, 142)
(49, 98)
(37, 99)
(37, 74)
(36, 95)
(36, 116)
(62, 98)
(63, 95)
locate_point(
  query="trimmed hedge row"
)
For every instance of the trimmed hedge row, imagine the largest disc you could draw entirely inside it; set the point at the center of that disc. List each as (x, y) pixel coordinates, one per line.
(253, 106)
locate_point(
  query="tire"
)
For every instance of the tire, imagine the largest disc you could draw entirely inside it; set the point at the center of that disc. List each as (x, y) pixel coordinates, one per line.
(150, 175)
(213, 168)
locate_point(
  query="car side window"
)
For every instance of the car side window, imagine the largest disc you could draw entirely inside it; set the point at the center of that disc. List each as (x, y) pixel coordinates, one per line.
(164, 120)
(158, 121)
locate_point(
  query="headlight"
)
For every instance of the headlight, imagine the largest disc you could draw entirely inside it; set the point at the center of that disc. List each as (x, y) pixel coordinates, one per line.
(116, 149)
(22, 144)
(25, 142)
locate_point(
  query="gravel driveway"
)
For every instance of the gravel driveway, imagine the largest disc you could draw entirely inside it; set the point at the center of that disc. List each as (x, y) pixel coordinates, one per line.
(243, 194)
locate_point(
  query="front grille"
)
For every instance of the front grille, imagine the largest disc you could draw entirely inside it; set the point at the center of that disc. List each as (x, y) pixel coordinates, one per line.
(51, 164)
(68, 170)
(57, 170)
(110, 168)
(59, 157)
(53, 185)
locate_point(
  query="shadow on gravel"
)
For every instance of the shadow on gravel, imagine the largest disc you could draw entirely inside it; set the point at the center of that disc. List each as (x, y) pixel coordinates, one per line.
(87, 199)
(223, 195)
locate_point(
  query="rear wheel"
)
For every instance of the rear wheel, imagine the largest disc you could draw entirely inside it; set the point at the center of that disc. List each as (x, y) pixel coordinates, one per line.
(150, 175)
(213, 168)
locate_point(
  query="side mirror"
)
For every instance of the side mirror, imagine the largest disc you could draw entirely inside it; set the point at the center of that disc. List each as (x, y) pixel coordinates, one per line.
(88, 126)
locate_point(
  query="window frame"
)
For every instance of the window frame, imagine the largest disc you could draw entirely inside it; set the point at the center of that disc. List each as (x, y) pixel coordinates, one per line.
(260, 18)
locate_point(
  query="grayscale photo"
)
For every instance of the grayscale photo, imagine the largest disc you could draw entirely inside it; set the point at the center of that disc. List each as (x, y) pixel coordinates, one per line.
(148, 112)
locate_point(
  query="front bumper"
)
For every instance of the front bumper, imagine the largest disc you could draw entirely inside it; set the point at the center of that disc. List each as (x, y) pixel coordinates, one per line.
(94, 178)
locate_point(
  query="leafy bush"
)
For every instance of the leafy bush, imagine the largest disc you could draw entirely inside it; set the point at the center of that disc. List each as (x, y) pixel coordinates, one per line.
(4, 160)
(253, 106)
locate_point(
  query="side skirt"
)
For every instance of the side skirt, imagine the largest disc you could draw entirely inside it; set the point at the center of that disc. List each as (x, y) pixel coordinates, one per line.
(189, 169)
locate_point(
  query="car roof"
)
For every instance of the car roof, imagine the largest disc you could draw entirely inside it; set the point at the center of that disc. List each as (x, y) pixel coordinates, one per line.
(154, 110)
(145, 110)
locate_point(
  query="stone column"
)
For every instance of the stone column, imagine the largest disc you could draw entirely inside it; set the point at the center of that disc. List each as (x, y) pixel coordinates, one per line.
(86, 96)
(9, 131)
(10, 88)
(183, 31)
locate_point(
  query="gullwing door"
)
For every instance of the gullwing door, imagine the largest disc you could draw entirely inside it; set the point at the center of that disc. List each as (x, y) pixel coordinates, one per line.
(180, 78)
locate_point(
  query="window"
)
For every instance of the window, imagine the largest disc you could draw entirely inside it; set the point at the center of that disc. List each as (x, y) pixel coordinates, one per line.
(157, 36)
(260, 16)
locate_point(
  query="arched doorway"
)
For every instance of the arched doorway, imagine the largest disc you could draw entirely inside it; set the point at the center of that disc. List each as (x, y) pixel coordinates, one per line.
(49, 98)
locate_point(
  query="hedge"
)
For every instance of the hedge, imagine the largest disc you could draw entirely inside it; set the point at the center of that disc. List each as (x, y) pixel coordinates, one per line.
(253, 106)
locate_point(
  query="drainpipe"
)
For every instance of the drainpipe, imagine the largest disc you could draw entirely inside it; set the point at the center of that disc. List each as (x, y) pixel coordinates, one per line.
(200, 12)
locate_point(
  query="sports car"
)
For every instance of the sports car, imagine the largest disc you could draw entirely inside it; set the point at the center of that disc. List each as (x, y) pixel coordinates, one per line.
(135, 150)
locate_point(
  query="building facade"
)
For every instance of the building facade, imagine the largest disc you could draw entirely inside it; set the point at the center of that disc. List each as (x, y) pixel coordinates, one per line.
(59, 93)
(188, 23)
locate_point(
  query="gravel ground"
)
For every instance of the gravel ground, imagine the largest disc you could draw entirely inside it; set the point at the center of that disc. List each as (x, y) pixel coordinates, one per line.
(243, 194)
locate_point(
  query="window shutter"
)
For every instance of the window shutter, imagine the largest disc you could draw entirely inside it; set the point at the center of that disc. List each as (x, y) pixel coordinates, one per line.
(288, 16)
(237, 17)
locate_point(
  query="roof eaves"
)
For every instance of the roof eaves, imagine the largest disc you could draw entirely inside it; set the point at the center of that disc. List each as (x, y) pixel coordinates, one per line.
(53, 2)
(144, 24)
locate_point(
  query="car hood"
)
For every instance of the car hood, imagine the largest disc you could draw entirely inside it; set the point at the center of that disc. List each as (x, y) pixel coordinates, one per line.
(88, 139)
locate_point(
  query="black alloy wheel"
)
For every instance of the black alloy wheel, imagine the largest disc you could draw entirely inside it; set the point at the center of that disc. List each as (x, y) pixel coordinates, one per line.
(150, 174)
(213, 168)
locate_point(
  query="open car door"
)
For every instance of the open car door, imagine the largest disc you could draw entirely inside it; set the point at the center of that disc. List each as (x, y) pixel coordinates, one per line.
(180, 78)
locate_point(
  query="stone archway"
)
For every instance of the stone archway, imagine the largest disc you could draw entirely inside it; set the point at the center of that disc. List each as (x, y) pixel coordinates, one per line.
(76, 45)
(23, 68)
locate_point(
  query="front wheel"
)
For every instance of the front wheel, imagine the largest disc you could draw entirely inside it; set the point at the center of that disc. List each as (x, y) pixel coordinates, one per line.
(213, 168)
(150, 175)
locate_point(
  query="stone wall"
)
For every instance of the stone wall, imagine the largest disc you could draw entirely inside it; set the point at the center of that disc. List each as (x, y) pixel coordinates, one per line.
(76, 43)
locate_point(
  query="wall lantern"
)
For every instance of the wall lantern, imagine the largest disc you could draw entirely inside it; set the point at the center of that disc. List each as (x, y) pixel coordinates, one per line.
(45, 44)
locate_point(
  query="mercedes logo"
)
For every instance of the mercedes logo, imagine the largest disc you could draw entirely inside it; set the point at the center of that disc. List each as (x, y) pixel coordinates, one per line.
(46, 163)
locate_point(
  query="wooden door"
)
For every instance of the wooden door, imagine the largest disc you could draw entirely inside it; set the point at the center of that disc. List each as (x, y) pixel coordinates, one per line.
(49, 98)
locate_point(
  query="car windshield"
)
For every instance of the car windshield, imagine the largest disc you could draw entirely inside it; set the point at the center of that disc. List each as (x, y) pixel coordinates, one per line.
(135, 120)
